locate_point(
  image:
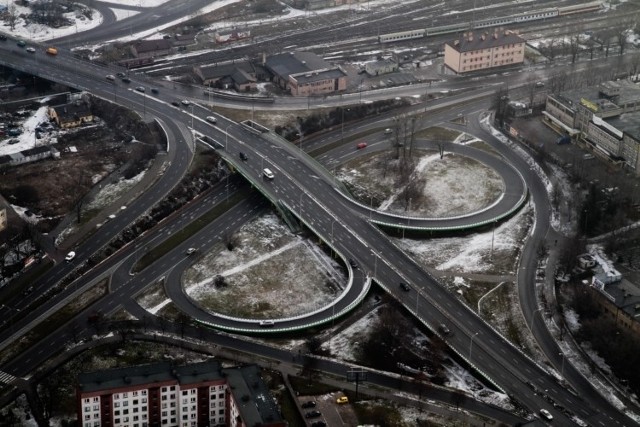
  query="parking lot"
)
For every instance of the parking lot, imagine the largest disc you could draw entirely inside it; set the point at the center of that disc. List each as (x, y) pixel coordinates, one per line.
(332, 413)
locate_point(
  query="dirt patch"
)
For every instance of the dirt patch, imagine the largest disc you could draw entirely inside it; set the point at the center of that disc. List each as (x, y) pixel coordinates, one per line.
(269, 273)
(434, 187)
(51, 188)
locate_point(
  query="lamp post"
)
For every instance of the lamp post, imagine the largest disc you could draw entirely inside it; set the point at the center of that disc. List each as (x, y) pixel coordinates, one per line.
(471, 344)
(191, 117)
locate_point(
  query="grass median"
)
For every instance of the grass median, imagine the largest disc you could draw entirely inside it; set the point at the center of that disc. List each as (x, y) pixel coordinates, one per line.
(188, 231)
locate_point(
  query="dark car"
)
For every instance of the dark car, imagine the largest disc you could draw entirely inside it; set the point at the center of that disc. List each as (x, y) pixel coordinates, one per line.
(243, 157)
(121, 75)
(444, 330)
(154, 90)
(313, 414)
(404, 287)
(3, 37)
(309, 404)
(319, 424)
(126, 80)
(175, 103)
(353, 263)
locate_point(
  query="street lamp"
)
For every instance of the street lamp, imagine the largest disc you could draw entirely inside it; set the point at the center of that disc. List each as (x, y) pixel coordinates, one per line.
(471, 344)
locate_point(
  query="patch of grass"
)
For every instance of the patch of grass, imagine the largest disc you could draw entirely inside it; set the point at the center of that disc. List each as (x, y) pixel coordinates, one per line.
(513, 332)
(188, 231)
(378, 413)
(476, 291)
(437, 133)
(305, 386)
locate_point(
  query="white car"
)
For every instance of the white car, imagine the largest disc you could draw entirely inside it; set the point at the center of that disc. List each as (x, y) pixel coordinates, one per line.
(267, 173)
(31, 50)
(70, 256)
(185, 102)
(546, 414)
(212, 119)
(191, 251)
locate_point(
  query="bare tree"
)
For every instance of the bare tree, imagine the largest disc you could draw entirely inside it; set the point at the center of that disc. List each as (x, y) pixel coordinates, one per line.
(574, 47)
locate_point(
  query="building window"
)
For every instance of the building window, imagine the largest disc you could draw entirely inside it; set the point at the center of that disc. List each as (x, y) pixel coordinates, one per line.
(185, 392)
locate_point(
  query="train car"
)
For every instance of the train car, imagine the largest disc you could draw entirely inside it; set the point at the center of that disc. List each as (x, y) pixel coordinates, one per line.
(580, 8)
(447, 29)
(404, 35)
(136, 62)
(537, 15)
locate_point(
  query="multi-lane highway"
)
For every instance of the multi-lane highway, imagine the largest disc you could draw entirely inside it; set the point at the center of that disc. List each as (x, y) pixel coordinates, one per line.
(303, 188)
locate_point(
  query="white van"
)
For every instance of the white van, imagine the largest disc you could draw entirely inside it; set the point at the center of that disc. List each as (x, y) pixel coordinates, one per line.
(267, 173)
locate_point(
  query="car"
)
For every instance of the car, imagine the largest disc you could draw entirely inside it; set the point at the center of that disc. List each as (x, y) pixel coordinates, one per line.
(70, 256)
(444, 330)
(267, 173)
(388, 131)
(28, 290)
(191, 251)
(353, 263)
(588, 157)
(342, 399)
(52, 51)
(185, 102)
(309, 404)
(319, 424)
(154, 90)
(13, 141)
(546, 414)
(175, 103)
(361, 145)
(313, 414)
(539, 84)
(3, 37)
(212, 119)
(121, 75)
(21, 43)
(243, 156)
(111, 77)
(31, 50)
(405, 287)
(140, 89)
(266, 323)
(126, 80)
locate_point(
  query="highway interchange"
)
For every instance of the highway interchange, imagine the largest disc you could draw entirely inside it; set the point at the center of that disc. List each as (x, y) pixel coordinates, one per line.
(308, 192)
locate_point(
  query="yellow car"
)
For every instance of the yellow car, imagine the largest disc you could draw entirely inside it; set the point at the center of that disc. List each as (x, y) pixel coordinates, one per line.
(342, 399)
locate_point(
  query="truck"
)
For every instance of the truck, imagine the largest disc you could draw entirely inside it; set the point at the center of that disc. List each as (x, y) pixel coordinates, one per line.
(52, 51)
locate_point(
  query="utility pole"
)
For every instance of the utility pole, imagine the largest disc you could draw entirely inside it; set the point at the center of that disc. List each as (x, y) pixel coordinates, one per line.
(356, 375)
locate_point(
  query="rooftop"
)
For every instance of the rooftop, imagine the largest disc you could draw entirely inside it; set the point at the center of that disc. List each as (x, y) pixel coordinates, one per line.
(285, 64)
(469, 41)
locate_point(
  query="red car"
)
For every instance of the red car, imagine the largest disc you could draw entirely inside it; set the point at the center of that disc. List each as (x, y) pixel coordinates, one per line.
(361, 145)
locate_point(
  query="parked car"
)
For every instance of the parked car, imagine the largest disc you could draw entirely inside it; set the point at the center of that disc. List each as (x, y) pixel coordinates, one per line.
(154, 90)
(361, 145)
(313, 414)
(309, 404)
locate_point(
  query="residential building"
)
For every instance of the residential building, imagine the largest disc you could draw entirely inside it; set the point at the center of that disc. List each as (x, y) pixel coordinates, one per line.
(383, 66)
(241, 76)
(151, 48)
(200, 394)
(474, 52)
(605, 118)
(305, 74)
(72, 114)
